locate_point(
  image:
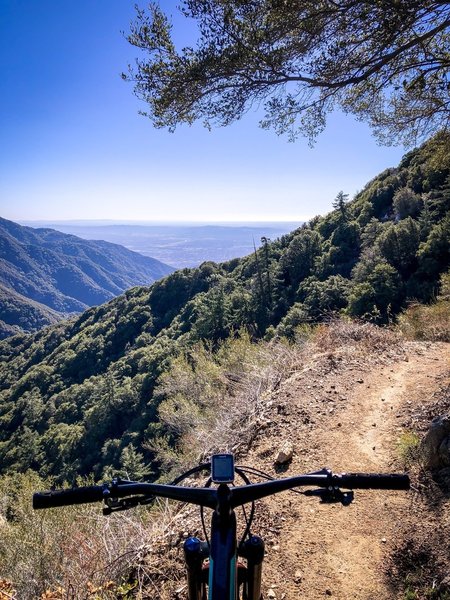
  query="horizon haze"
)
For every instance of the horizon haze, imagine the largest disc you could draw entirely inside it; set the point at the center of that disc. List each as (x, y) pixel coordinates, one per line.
(178, 245)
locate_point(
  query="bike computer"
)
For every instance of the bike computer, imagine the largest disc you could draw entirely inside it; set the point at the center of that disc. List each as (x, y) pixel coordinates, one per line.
(222, 468)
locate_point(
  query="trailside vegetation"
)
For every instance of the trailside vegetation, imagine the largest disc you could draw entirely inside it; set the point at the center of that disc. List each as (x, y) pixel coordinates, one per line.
(385, 62)
(86, 396)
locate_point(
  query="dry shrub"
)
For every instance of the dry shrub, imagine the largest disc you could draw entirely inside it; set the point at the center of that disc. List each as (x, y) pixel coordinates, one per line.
(66, 553)
(159, 567)
(215, 401)
(161, 570)
(354, 336)
(7, 590)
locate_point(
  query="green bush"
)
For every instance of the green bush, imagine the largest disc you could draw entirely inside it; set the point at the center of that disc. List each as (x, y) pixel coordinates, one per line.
(408, 447)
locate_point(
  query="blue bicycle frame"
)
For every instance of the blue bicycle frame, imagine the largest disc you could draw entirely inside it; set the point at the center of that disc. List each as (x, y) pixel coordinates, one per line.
(222, 583)
(217, 563)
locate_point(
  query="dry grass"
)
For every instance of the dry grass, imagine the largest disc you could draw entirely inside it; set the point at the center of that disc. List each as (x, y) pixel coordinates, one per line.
(353, 336)
(422, 322)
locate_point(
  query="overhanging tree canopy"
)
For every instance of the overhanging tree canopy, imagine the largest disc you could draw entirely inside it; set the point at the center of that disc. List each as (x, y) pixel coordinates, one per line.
(385, 61)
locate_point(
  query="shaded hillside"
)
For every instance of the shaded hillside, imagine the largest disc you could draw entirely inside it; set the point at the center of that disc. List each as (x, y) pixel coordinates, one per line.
(19, 314)
(83, 396)
(64, 273)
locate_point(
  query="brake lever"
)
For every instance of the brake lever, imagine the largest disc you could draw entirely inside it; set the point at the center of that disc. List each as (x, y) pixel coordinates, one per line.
(116, 505)
(331, 495)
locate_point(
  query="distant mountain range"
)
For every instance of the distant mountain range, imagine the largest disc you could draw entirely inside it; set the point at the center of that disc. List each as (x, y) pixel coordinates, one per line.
(46, 275)
(180, 245)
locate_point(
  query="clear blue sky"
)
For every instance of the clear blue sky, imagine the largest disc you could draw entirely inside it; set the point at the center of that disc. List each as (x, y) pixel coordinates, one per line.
(74, 147)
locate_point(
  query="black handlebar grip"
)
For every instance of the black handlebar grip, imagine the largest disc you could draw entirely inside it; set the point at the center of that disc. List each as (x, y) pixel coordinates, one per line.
(79, 495)
(375, 481)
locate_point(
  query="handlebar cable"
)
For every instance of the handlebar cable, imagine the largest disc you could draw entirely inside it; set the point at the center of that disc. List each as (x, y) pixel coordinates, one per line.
(202, 514)
(258, 472)
(248, 520)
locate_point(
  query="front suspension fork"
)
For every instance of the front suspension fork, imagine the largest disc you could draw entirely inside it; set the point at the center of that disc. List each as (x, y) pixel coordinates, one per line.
(195, 553)
(253, 550)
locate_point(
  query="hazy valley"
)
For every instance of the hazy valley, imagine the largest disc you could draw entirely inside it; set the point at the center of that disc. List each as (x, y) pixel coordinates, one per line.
(178, 245)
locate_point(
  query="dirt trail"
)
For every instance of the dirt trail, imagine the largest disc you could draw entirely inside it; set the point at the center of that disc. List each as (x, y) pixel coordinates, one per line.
(349, 419)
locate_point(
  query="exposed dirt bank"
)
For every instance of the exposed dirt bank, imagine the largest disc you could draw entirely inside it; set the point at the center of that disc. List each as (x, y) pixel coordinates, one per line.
(349, 417)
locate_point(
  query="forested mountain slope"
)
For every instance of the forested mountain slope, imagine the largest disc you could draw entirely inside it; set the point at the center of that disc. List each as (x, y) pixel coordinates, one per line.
(19, 314)
(83, 396)
(61, 274)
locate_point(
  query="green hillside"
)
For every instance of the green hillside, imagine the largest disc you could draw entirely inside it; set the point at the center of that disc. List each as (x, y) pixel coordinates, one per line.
(19, 314)
(47, 275)
(83, 396)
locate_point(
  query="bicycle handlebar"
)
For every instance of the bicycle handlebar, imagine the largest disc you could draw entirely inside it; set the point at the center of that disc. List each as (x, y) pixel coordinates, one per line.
(375, 481)
(97, 493)
(208, 497)
(79, 495)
